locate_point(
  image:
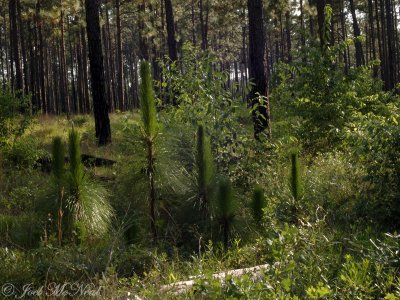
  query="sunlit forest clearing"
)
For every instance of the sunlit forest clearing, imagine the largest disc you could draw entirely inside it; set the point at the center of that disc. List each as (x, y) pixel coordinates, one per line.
(199, 149)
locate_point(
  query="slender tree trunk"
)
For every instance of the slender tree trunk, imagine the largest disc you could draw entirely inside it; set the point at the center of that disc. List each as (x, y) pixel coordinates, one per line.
(75, 105)
(288, 36)
(3, 47)
(65, 105)
(344, 36)
(79, 63)
(41, 65)
(193, 23)
(169, 16)
(321, 21)
(391, 59)
(257, 69)
(85, 71)
(107, 40)
(359, 49)
(384, 54)
(143, 48)
(120, 72)
(23, 50)
(302, 28)
(33, 73)
(372, 29)
(14, 38)
(204, 23)
(378, 34)
(100, 105)
(108, 70)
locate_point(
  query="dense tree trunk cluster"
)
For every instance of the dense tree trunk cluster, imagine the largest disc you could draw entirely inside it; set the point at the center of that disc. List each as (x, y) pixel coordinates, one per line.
(44, 50)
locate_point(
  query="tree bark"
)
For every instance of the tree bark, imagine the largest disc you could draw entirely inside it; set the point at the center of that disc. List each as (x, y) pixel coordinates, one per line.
(204, 24)
(169, 16)
(25, 73)
(65, 105)
(302, 28)
(391, 59)
(321, 21)
(100, 106)
(288, 36)
(358, 45)
(257, 70)
(14, 38)
(41, 65)
(143, 48)
(85, 74)
(120, 71)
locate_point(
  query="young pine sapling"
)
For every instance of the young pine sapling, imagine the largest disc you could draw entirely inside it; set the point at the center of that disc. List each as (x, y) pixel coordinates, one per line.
(295, 181)
(149, 123)
(226, 208)
(258, 204)
(204, 163)
(58, 168)
(90, 211)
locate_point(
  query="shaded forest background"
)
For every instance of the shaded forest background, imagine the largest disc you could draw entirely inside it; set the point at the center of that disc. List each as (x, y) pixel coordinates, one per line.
(44, 51)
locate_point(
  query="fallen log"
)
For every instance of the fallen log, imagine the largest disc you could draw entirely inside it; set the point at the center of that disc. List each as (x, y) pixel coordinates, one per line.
(181, 287)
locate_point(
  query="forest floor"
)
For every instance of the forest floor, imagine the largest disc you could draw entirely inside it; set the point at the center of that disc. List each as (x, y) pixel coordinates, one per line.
(322, 255)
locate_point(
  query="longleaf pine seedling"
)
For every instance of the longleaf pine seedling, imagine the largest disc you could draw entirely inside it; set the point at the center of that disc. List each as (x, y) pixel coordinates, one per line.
(226, 206)
(295, 178)
(149, 122)
(58, 166)
(258, 204)
(295, 182)
(205, 168)
(91, 212)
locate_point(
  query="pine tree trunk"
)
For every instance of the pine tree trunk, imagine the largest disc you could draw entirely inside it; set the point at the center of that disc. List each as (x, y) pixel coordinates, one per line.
(204, 24)
(120, 72)
(85, 74)
(193, 23)
(302, 28)
(112, 84)
(108, 69)
(391, 59)
(143, 48)
(321, 21)
(100, 106)
(288, 36)
(23, 50)
(359, 49)
(41, 65)
(4, 65)
(257, 69)
(14, 38)
(169, 16)
(65, 105)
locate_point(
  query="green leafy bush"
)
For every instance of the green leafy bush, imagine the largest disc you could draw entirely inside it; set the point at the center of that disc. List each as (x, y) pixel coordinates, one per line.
(23, 153)
(12, 122)
(374, 141)
(315, 89)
